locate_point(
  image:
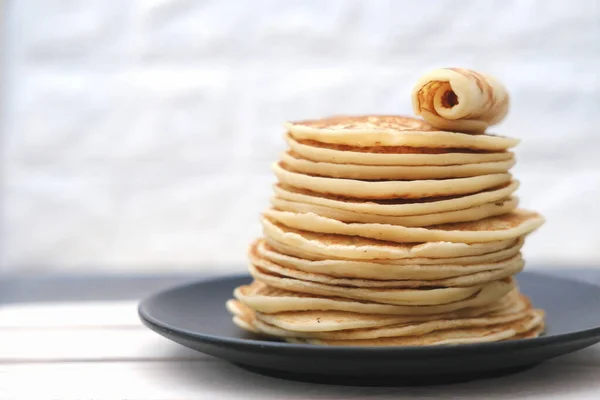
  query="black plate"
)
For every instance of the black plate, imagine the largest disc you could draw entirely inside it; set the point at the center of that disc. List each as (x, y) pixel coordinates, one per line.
(195, 316)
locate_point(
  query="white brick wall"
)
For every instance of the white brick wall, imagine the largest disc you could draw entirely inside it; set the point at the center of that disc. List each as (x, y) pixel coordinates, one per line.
(138, 134)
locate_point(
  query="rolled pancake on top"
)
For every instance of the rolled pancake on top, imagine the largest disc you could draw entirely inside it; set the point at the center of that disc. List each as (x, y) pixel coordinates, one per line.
(461, 100)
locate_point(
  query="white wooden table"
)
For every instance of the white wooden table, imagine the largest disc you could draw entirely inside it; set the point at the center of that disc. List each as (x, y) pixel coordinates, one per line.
(100, 350)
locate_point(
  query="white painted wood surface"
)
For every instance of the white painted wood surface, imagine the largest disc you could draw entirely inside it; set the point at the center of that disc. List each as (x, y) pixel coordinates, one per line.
(101, 351)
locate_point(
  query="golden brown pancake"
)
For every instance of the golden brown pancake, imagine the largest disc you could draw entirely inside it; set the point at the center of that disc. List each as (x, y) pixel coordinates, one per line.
(359, 248)
(502, 227)
(397, 207)
(268, 299)
(403, 189)
(475, 213)
(391, 130)
(511, 267)
(296, 163)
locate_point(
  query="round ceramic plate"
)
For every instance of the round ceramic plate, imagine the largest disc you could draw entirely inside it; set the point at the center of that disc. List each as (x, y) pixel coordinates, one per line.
(194, 315)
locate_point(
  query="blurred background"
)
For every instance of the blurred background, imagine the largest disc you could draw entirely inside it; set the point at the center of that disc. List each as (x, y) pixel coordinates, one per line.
(138, 135)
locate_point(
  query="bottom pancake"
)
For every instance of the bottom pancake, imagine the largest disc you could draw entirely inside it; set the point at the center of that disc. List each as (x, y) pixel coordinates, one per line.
(493, 327)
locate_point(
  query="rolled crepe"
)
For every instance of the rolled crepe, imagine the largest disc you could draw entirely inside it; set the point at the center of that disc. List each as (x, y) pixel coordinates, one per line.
(460, 100)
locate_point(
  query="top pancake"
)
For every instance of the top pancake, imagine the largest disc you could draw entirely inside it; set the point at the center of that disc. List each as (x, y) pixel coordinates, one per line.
(389, 130)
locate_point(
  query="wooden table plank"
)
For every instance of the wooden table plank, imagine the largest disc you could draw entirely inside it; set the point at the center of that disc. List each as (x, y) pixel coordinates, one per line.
(69, 315)
(63, 345)
(107, 331)
(214, 379)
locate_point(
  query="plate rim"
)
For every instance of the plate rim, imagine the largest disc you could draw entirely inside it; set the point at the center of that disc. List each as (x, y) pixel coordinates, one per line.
(265, 345)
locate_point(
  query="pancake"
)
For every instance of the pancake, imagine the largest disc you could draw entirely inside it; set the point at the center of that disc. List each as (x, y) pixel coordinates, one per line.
(515, 265)
(241, 323)
(391, 155)
(391, 130)
(296, 163)
(415, 189)
(533, 333)
(267, 299)
(396, 296)
(243, 316)
(347, 325)
(410, 329)
(333, 321)
(238, 309)
(397, 207)
(470, 214)
(404, 269)
(460, 99)
(507, 226)
(487, 328)
(357, 248)
(509, 267)
(309, 255)
(504, 331)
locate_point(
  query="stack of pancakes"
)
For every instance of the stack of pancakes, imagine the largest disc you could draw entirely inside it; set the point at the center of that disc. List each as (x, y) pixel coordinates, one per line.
(385, 231)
